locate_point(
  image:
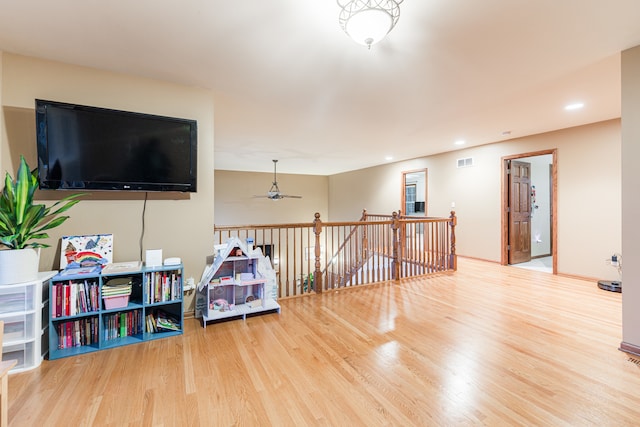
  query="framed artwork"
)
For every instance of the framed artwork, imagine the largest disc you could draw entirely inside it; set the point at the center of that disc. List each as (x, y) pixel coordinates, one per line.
(86, 251)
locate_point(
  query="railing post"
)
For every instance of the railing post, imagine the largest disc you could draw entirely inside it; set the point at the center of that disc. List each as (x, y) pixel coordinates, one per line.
(403, 237)
(454, 258)
(317, 274)
(365, 240)
(395, 225)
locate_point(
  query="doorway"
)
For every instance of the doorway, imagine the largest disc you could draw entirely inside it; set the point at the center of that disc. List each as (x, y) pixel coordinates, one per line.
(529, 227)
(414, 192)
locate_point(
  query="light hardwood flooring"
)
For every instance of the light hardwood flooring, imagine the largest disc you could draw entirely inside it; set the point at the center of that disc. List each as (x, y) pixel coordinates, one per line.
(487, 345)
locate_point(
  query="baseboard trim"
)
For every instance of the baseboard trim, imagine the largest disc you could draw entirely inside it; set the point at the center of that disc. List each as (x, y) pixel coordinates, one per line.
(570, 276)
(630, 348)
(478, 259)
(576, 276)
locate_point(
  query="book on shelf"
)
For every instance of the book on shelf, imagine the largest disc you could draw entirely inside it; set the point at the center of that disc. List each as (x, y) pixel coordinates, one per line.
(67, 298)
(167, 323)
(78, 271)
(76, 332)
(123, 324)
(122, 267)
(151, 324)
(160, 322)
(118, 290)
(69, 332)
(57, 295)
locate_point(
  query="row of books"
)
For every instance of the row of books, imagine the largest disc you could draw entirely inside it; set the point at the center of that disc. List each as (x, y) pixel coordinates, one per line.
(163, 286)
(119, 325)
(85, 331)
(161, 322)
(75, 297)
(79, 332)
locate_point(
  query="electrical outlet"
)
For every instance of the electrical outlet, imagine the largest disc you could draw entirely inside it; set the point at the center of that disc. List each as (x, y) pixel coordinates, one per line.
(190, 284)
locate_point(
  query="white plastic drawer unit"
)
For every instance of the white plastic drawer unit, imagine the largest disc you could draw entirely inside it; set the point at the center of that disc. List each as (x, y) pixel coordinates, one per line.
(25, 314)
(23, 353)
(18, 328)
(17, 298)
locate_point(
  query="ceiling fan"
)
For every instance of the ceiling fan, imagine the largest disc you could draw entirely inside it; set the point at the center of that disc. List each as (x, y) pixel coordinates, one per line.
(274, 192)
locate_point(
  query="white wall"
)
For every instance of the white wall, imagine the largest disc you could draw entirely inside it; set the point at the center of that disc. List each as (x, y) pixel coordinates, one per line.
(589, 225)
(181, 225)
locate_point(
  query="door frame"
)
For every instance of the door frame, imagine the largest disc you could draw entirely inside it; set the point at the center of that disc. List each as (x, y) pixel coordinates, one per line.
(403, 199)
(504, 180)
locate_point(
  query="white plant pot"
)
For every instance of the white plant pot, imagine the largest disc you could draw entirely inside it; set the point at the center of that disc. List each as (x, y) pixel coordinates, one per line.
(19, 265)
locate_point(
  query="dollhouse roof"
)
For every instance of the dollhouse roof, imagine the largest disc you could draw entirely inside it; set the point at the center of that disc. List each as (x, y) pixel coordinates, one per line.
(223, 253)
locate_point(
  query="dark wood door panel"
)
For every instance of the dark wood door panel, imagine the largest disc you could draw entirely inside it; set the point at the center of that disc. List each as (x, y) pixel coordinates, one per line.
(519, 212)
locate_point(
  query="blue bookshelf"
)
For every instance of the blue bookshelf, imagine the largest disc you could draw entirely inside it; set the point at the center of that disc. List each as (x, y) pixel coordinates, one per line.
(80, 322)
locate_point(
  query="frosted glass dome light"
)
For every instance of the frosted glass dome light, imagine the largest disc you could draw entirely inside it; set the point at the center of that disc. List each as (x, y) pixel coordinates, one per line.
(368, 21)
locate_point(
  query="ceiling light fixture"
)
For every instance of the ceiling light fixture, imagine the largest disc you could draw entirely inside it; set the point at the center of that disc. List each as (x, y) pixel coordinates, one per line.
(368, 21)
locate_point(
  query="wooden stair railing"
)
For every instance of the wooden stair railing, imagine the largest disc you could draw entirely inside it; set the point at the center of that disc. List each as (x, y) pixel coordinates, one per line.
(331, 276)
(317, 256)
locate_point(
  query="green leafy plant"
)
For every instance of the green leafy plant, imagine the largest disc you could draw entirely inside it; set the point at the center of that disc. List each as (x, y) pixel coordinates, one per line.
(22, 221)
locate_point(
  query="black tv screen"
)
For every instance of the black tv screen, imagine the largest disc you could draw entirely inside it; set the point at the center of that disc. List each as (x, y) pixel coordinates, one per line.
(90, 148)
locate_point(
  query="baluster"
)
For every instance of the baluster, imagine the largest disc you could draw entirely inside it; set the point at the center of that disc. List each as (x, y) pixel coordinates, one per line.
(317, 275)
(454, 259)
(395, 225)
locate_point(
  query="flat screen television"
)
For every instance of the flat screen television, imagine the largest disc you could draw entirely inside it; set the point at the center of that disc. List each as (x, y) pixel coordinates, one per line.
(90, 148)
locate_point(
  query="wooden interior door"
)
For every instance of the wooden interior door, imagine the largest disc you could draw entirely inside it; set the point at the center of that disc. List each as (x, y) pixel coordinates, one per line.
(519, 212)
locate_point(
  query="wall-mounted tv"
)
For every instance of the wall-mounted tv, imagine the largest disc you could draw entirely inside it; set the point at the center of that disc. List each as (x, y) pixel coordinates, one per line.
(90, 148)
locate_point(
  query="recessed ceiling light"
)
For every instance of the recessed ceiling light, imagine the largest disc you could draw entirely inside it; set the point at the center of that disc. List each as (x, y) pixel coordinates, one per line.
(388, 158)
(460, 142)
(506, 133)
(575, 106)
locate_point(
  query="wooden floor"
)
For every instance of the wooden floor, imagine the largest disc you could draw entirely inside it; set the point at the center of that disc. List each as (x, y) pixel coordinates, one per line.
(487, 345)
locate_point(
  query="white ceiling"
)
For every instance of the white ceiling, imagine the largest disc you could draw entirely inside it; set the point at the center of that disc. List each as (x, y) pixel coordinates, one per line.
(290, 85)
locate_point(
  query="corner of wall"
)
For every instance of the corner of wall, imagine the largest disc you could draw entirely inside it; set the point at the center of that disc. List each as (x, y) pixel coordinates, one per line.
(630, 204)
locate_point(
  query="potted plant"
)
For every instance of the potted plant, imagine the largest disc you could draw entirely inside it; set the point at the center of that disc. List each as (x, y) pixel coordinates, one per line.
(23, 224)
